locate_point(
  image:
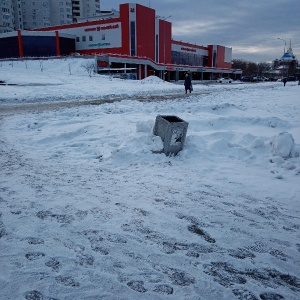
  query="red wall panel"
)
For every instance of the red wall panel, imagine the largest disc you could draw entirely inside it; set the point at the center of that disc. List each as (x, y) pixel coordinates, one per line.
(221, 58)
(165, 41)
(145, 27)
(210, 55)
(124, 17)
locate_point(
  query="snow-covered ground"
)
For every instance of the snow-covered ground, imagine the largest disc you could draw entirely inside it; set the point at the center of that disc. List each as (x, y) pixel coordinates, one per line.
(89, 208)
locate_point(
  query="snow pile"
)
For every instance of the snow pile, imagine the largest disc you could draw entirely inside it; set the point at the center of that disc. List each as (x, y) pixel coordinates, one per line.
(154, 80)
(283, 145)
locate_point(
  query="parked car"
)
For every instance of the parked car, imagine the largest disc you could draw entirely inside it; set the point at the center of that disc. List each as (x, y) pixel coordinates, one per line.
(126, 76)
(262, 78)
(272, 79)
(292, 78)
(224, 80)
(75, 54)
(247, 79)
(289, 78)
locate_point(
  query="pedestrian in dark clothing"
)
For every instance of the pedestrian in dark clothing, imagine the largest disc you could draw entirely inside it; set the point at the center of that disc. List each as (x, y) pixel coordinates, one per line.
(188, 83)
(284, 81)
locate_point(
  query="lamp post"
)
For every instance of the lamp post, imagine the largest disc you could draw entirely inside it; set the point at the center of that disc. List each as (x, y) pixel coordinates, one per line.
(282, 66)
(164, 19)
(284, 44)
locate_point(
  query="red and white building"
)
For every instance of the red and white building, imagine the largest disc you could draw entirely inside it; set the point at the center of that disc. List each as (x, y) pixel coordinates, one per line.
(136, 40)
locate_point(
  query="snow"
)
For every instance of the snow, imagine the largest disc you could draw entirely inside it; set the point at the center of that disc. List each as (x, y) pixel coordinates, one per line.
(91, 209)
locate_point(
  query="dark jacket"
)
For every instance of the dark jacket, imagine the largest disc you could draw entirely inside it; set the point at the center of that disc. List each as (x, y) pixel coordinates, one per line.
(187, 82)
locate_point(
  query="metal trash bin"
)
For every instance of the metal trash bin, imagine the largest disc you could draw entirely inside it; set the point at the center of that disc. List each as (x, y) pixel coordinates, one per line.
(172, 131)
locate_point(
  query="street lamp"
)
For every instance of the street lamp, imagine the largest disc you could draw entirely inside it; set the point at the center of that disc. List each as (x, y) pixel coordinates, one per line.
(284, 44)
(164, 19)
(282, 66)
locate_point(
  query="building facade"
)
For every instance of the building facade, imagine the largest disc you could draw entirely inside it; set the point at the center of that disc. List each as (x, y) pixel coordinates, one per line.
(26, 15)
(138, 40)
(142, 40)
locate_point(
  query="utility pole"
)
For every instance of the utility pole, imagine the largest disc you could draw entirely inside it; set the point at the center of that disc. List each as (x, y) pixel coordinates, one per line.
(164, 19)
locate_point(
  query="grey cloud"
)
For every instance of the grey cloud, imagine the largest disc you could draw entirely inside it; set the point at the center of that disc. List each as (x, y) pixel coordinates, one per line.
(240, 24)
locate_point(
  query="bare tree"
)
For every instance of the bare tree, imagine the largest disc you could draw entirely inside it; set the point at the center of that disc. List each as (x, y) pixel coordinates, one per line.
(250, 68)
(90, 68)
(41, 66)
(292, 68)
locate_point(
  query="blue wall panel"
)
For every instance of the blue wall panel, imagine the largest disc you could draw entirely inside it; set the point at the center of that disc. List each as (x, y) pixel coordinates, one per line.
(39, 46)
(9, 47)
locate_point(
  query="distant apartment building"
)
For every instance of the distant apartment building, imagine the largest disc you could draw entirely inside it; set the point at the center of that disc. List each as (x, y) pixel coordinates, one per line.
(6, 16)
(85, 9)
(30, 14)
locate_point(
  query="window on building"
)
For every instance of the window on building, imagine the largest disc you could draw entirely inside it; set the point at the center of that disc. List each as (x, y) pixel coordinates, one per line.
(132, 38)
(214, 58)
(83, 38)
(156, 48)
(183, 58)
(90, 38)
(103, 37)
(77, 39)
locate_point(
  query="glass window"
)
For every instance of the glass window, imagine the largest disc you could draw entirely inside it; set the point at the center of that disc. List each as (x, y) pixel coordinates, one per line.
(132, 38)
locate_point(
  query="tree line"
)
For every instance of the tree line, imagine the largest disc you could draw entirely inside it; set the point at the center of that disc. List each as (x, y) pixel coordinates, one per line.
(251, 68)
(260, 69)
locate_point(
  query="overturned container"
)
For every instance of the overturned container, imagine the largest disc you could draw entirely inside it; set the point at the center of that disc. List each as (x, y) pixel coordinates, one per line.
(172, 131)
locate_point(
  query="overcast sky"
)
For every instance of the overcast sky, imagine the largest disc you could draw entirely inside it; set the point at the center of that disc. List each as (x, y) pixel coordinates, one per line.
(251, 28)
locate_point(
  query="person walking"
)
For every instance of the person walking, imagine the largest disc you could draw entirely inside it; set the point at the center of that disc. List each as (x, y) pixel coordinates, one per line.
(188, 83)
(284, 81)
